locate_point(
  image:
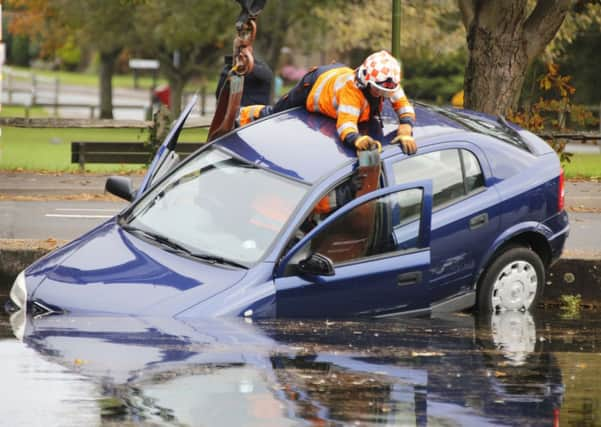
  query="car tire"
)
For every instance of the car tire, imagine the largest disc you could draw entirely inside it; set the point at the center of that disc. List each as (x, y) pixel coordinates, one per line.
(513, 281)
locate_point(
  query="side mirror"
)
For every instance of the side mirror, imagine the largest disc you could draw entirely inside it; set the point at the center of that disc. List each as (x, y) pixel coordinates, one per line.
(121, 187)
(317, 264)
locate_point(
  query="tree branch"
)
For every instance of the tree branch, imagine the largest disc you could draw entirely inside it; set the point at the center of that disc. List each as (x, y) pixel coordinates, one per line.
(467, 8)
(543, 23)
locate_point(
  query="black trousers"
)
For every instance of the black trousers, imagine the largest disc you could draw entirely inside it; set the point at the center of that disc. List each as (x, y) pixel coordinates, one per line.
(298, 94)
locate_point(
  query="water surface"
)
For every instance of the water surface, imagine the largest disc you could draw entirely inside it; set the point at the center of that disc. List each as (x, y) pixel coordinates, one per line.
(515, 369)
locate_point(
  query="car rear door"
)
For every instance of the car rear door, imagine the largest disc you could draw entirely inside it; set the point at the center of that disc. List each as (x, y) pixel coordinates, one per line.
(166, 157)
(465, 218)
(381, 271)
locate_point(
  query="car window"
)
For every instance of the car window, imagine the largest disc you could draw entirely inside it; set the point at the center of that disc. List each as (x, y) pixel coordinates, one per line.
(386, 224)
(218, 205)
(449, 180)
(473, 173)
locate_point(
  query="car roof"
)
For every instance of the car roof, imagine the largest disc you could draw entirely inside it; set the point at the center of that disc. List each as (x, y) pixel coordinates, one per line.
(305, 146)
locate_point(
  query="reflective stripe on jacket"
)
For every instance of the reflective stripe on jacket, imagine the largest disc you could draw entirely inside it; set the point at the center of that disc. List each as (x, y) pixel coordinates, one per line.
(249, 114)
(336, 95)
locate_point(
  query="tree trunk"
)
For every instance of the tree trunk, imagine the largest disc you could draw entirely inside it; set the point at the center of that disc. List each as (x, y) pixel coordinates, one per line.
(503, 40)
(495, 73)
(107, 63)
(497, 61)
(176, 83)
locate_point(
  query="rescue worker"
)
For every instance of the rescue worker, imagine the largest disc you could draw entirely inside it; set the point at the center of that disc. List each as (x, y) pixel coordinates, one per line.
(257, 83)
(349, 96)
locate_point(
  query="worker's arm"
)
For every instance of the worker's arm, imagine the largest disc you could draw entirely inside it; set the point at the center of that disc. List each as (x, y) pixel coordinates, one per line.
(406, 114)
(339, 196)
(347, 116)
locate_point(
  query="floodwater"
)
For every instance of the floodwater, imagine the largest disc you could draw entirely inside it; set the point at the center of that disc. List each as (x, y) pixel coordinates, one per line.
(517, 369)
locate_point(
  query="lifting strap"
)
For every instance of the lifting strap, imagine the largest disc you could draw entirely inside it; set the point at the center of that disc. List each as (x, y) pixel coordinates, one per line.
(230, 96)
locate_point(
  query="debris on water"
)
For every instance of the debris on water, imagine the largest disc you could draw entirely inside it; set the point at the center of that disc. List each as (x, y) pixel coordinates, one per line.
(426, 353)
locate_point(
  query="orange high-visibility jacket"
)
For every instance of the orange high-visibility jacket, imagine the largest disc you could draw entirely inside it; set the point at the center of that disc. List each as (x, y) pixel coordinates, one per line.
(336, 95)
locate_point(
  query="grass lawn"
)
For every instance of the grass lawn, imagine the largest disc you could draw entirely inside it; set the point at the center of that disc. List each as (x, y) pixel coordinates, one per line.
(20, 112)
(50, 149)
(583, 166)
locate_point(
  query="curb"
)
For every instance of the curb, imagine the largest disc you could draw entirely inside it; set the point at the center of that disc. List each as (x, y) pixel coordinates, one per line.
(569, 276)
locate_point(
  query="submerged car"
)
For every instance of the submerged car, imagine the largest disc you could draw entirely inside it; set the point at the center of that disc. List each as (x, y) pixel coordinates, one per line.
(475, 218)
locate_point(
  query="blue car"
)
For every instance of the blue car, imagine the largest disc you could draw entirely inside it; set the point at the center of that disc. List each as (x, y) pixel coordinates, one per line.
(475, 218)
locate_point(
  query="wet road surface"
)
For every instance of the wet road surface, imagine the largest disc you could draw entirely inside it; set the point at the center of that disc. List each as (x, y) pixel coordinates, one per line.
(516, 369)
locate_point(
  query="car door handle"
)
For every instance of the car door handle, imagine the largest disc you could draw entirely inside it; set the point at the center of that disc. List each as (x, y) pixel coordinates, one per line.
(411, 278)
(478, 221)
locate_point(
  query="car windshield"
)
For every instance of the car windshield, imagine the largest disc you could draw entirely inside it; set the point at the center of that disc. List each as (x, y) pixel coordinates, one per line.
(218, 208)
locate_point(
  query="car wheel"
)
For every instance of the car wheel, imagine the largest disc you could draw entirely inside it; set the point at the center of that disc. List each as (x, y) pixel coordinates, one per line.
(512, 282)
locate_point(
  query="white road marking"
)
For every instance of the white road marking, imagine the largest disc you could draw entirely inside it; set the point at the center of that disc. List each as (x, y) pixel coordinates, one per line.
(81, 215)
(77, 216)
(86, 209)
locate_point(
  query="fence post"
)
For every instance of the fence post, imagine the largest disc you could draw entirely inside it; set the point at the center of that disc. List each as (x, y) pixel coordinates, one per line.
(82, 156)
(56, 91)
(92, 107)
(203, 100)
(33, 89)
(9, 84)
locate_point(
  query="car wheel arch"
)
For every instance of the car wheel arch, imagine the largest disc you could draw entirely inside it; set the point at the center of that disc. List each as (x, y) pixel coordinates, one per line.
(531, 239)
(510, 255)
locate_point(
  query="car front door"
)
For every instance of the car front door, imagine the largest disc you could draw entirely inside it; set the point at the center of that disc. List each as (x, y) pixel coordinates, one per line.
(166, 157)
(378, 269)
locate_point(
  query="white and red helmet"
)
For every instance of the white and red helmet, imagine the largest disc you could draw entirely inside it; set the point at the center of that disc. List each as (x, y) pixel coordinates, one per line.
(382, 71)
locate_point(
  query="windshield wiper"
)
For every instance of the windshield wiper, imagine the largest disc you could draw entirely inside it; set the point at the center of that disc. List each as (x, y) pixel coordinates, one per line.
(214, 259)
(157, 238)
(181, 248)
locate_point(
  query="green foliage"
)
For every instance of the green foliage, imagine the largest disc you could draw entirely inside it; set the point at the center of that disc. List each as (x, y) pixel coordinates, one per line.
(69, 55)
(161, 123)
(551, 112)
(570, 306)
(581, 61)
(436, 79)
(19, 51)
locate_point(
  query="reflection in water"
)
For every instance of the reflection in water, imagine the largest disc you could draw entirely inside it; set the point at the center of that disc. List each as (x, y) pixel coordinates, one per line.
(457, 370)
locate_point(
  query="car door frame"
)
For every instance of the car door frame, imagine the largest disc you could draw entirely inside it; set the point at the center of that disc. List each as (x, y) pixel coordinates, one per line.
(165, 157)
(286, 283)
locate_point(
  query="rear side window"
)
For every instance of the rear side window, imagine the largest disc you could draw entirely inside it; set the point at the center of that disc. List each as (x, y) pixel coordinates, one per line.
(473, 174)
(454, 173)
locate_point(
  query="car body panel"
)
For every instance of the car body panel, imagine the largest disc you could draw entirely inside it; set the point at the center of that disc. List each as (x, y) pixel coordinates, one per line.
(130, 276)
(309, 137)
(111, 270)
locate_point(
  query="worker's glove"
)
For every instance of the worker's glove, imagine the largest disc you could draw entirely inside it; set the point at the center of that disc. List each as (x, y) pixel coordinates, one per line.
(406, 142)
(366, 142)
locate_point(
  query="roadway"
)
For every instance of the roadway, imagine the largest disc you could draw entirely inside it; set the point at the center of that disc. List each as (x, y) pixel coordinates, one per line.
(34, 206)
(56, 219)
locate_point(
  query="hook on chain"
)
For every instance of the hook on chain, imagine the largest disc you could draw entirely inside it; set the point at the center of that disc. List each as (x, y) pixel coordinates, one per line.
(243, 49)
